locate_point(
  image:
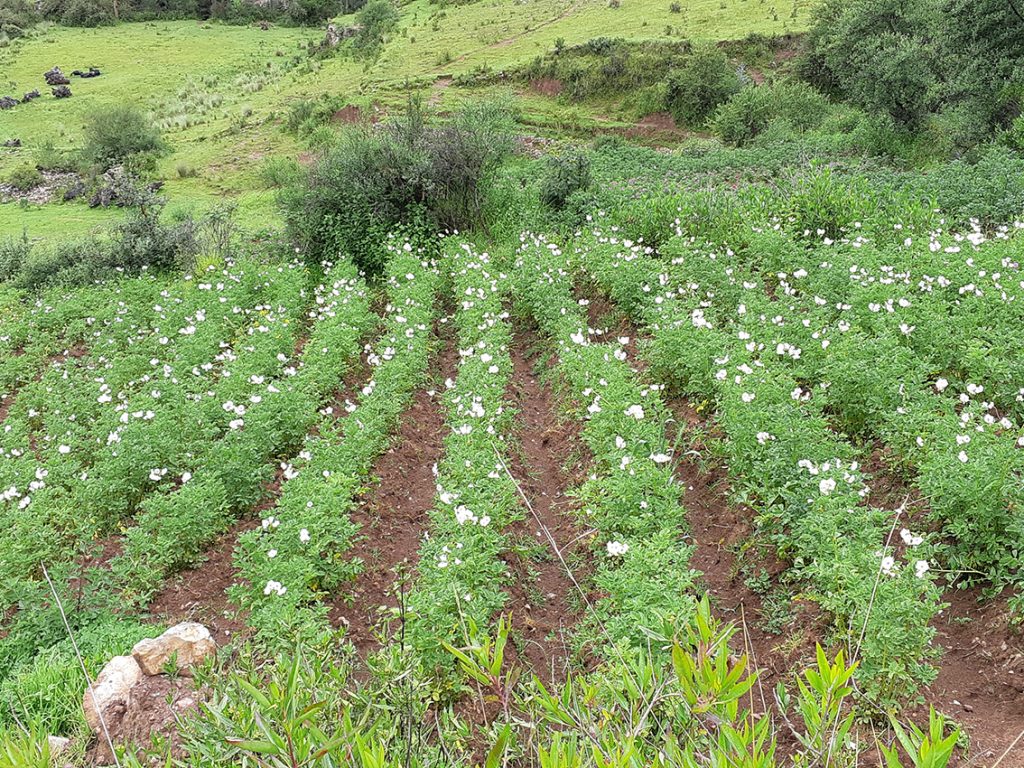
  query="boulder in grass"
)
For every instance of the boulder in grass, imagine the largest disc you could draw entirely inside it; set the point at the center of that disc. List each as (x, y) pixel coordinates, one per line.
(186, 645)
(56, 77)
(90, 72)
(106, 700)
(61, 92)
(33, 94)
(8, 102)
(12, 143)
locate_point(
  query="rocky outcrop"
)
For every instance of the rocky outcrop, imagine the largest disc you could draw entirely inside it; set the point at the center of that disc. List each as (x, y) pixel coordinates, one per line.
(90, 72)
(335, 34)
(8, 102)
(61, 92)
(107, 699)
(56, 77)
(184, 646)
(33, 94)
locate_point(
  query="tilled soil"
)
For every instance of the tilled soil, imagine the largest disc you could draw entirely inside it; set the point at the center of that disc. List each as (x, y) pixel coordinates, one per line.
(393, 517)
(545, 599)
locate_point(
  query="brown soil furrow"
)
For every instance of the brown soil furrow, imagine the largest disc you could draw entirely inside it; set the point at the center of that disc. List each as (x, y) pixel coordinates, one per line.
(543, 597)
(200, 594)
(720, 528)
(981, 675)
(395, 514)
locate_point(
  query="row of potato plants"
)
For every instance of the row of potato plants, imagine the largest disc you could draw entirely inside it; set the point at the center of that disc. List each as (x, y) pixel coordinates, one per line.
(934, 320)
(35, 331)
(803, 480)
(173, 528)
(97, 434)
(631, 498)
(460, 569)
(935, 324)
(299, 553)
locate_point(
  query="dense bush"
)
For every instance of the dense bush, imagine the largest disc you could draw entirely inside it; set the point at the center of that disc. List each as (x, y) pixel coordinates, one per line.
(312, 11)
(747, 114)
(80, 13)
(92, 13)
(696, 89)
(605, 66)
(25, 177)
(119, 133)
(376, 20)
(913, 59)
(563, 177)
(406, 172)
(16, 16)
(13, 251)
(143, 241)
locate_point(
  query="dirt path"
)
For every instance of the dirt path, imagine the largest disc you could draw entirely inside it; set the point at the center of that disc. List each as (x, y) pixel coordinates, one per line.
(394, 516)
(544, 602)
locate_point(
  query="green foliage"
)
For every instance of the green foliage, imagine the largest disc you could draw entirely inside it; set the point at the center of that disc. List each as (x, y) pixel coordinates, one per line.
(312, 11)
(376, 20)
(926, 749)
(119, 134)
(753, 109)
(25, 177)
(910, 60)
(605, 66)
(422, 177)
(16, 17)
(13, 252)
(143, 241)
(47, 690)
(564, 177)
(80, 13)
(704, 81)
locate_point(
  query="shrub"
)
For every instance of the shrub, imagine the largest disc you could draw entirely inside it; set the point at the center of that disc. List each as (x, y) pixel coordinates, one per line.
(13, 252)
(563, 177)
(80, 13)
(748, 114)
(406, 172)
(49, 158)
(120, 133)
(312, 11)
(16, 16)
(697, 88)
(281, 172)
(25, 177)
(376, 20)
(143, 241)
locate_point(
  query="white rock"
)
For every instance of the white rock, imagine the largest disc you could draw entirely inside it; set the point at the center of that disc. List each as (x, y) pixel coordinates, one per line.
(58, 745)
(110, 691)
(189, 643)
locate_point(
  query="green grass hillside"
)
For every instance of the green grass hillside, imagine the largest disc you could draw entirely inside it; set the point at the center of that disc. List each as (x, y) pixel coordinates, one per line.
(219, 91)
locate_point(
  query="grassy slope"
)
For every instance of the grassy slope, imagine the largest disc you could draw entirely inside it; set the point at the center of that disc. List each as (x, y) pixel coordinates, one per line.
(243, 72)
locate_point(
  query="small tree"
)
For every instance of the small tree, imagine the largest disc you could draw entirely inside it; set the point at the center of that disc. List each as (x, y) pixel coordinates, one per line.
(705, 81)
(118, 133)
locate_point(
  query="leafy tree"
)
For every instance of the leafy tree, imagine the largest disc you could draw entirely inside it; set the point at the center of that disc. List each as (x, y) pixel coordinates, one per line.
(696, 89)
(117, 133)
(376, 20)
(877, 53)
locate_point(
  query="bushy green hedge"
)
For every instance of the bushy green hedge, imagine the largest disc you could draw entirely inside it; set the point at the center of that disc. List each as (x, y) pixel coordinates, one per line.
(409, 174)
